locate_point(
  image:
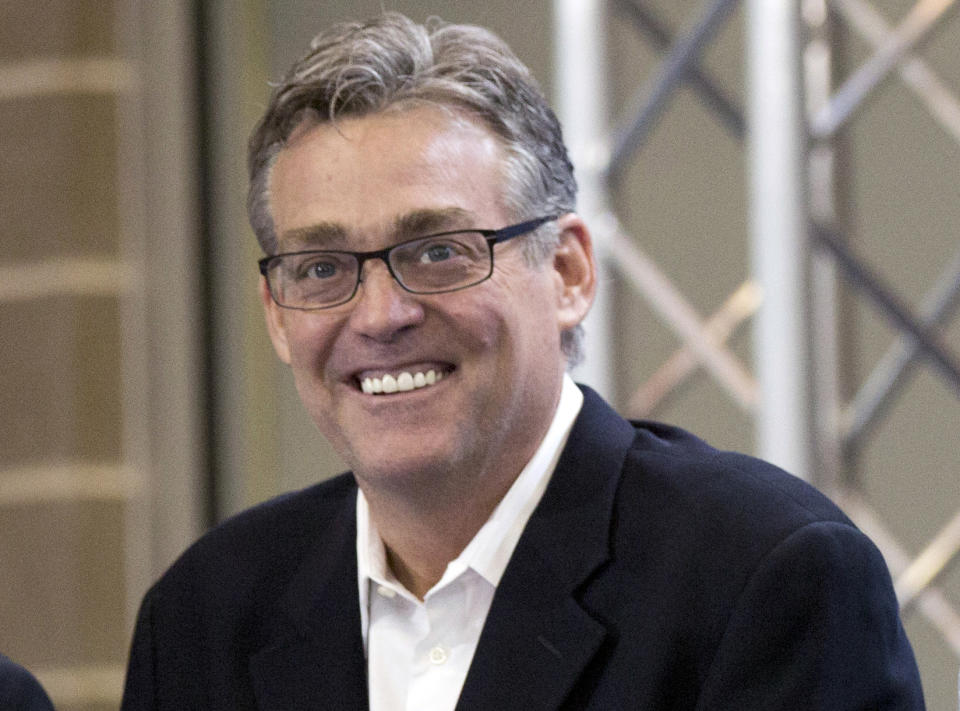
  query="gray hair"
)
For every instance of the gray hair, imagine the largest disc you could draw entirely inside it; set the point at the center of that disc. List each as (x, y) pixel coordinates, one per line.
(390, 63)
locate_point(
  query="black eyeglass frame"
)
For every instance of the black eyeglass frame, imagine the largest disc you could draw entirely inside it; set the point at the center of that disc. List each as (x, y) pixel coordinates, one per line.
(492, 237)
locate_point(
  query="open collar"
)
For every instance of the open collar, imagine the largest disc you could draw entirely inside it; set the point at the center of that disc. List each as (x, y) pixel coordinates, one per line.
(537, 639)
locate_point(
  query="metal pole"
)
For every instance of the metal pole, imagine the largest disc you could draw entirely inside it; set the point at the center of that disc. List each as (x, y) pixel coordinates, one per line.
(778, 228)
(581, 103)
(826, 208)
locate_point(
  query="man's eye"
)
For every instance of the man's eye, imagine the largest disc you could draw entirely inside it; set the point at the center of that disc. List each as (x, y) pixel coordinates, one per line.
(318, 270)
(438, 253)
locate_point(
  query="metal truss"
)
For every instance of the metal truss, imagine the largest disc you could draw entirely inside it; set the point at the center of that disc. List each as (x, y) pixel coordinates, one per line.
(793, 154)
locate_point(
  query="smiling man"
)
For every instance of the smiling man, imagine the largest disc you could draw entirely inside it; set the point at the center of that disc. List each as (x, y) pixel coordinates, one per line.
(432, 461)
(504, 540)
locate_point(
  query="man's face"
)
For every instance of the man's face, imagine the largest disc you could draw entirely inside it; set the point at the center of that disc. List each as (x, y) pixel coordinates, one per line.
(367, 184)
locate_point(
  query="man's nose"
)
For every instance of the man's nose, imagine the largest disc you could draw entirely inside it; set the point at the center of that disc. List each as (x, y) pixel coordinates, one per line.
(382, 307)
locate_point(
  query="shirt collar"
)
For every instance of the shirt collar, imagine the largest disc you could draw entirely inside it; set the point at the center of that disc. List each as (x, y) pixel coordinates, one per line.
(490, 549)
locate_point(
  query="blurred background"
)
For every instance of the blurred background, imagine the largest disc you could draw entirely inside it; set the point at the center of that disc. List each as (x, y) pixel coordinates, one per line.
(788, 291)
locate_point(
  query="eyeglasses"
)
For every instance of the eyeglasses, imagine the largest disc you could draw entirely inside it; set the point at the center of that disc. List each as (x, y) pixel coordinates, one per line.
(446, 261)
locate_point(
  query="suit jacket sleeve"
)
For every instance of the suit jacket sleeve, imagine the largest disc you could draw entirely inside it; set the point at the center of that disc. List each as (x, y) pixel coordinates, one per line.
(139, 693)
(19, 690)
(815, 627)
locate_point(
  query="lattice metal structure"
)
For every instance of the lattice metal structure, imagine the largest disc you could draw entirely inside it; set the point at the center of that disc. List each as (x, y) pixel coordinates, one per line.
(799, 256)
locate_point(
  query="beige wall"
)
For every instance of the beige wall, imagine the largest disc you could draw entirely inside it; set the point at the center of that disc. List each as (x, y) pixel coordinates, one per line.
(99, 447)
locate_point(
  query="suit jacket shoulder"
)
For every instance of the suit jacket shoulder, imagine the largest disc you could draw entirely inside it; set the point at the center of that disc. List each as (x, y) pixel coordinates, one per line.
(251, 537)
(257, 606)
(659, 573)
(676, 488)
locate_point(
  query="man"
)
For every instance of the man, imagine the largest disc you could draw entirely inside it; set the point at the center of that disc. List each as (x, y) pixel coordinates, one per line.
(19, 690)
(504, 539)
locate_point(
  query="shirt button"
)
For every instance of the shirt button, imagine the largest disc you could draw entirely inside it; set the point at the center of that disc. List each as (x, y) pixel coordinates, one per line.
(438, 655)
(384, 591)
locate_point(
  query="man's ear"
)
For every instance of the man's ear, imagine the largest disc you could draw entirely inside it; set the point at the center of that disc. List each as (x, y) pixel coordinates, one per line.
(575, 268)
(275, 326)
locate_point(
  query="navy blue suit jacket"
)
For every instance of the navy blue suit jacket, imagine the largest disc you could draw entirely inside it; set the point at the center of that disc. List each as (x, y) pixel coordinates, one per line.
(19, 690)
(656, 574)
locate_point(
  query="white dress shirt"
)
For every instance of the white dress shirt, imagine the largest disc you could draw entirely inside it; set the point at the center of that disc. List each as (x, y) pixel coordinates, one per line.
(418, 653)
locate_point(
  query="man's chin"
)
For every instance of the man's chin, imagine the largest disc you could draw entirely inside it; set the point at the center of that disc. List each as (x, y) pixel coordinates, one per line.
(409, 471)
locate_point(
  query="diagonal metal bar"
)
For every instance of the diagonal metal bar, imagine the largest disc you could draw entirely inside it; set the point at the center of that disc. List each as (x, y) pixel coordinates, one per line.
(915, 73)
(910, 32)
(932, 562)
(931, 602)
(682, 318)
(892, 369)
(652, 100)
(707, 89)
(928, 341)
(738, 307)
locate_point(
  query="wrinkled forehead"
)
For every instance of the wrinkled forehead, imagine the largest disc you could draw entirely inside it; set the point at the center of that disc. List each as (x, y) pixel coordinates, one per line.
(390, 176)
(442, 116)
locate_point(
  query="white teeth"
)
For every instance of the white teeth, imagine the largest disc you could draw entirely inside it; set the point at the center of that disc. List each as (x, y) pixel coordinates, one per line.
(372, 386)
(389, 384)
(402, 382)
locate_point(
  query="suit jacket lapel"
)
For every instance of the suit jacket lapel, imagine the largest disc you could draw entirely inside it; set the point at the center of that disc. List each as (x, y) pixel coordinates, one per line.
(537, 639)
(315, 658)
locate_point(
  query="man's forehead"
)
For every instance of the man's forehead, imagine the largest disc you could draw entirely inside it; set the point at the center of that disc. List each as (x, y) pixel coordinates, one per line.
(421, 112)
(414, 223)
(434, 171)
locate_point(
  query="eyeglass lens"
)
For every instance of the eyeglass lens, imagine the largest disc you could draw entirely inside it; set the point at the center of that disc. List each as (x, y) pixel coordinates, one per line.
(429, 265)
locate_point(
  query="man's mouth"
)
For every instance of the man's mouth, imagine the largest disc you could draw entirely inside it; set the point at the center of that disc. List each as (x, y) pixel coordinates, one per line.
(400, 382)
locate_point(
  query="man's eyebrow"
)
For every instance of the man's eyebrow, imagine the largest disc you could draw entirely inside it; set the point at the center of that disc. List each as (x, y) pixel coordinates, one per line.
(422, 222)
(418, 223)
(321, 234)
